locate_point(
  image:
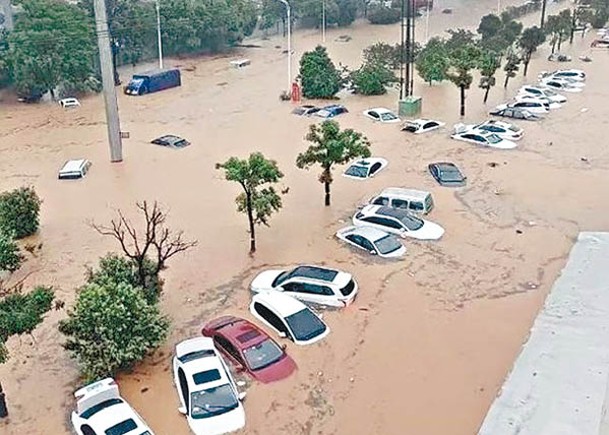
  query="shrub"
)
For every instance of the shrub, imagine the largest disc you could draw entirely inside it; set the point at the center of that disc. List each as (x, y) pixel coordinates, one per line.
(10, 257)
(384, 15)
(21, 313)
(347, 12)
(318, 75)
(114, 269)
(111, 327)
(19, 210)
(372, 79)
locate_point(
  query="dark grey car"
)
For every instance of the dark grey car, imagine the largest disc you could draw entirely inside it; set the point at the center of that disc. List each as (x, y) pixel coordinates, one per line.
(447, 174)
(516, 113)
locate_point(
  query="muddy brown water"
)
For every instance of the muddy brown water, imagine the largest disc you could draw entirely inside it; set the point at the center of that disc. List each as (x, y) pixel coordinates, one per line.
(430, 337)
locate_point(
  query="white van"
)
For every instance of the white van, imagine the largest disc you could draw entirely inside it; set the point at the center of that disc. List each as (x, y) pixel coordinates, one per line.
(415, 201)
(74, 169)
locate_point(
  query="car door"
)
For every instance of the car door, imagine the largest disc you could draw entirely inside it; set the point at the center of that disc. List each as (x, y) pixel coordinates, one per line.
(317, 294)
(374, 169)
(381, 200)
(374, 115)
(229, 350)
(367, 245)
(429, 125)
(479, 139)
(183, 386)
(85, 429)
(272, 319)
(399, 203)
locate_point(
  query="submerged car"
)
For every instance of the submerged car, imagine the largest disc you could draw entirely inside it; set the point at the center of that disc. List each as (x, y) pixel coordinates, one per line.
(69, 102)
(447, 174)
(208, 394)
(331, 111)
(101, 410)
(538, 91)
(365, 168)
(561, 84)
(313, 284)
(249, 348)
(397, 221)
(502, 129)
(515, 113)
(484, 138)
(289, 317)
(305, 110)
(171, 141)
(571, 74)
(419, 126)
(559, 57)
(535, 99)
(539, 107)
(413, 200)
(372, 240)
(382, 115)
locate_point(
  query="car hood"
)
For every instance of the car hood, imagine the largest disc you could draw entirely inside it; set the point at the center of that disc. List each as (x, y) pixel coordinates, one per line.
(219, 424)
(397, 253)
(504, 145)
(264, 280)
(429, 231)
(276, 371)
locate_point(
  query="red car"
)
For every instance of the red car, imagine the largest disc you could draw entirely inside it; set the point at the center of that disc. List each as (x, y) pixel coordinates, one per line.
(250, 348)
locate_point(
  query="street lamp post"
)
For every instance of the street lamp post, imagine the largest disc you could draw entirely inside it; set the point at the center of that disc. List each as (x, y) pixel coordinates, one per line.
(427, 23)
(289, 14)
(323, 21)
(158, 34)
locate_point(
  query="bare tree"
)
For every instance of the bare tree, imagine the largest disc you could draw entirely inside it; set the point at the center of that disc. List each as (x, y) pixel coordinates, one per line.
(155, 244)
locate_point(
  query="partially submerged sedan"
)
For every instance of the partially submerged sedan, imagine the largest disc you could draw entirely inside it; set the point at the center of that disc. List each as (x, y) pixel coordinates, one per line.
(373, 241)
(540, 91)
(397, 221)
(502, 129)
(305, 110)
(515, 113)
(249, 348)
(365, 168)
(418, 126)
(381, 114)
(483, 138)
(447, 174)
(313, 284)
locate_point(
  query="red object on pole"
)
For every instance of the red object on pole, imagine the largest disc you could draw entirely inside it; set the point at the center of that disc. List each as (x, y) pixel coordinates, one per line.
(295, 93)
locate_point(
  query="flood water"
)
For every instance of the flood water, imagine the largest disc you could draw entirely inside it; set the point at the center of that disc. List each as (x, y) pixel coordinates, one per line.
(427, 343)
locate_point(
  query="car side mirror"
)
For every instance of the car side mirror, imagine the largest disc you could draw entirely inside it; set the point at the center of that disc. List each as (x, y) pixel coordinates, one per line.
(373, 252)
(282, 334)
(241, 396)
(182, 410)
(284, 346)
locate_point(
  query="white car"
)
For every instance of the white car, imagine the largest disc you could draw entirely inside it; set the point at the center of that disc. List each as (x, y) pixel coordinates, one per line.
(289, 317)
(551, 104)
(572, 74)
(418, 126)
(397, 221)
(484, 138)
(69, 102)
(537, 106)
(564, 85)
(208, 395)
(382, 115)
(365, 168)
(372, 240)
(314, 284)
(502, 129)
(538, 91)
(101, 410)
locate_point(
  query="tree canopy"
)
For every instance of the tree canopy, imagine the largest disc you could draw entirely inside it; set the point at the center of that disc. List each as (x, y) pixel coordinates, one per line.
(433, 62)
(463, 57)
(531, 38)
(319, 77)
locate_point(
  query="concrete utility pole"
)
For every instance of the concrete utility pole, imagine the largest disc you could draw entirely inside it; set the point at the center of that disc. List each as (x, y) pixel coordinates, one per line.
(289, 17)
(5, 5)
(323, 21)
(158, 33)
(3, 409)
(543, 13)
(105, 61)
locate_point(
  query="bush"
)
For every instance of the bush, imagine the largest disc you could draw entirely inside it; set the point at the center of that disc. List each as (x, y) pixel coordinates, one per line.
(347, 12)
(21, 313)
(10, 257)
(19, 210)
(114, 269)
(110, 328)
(318, 75)
(384, 15)
(372, 79)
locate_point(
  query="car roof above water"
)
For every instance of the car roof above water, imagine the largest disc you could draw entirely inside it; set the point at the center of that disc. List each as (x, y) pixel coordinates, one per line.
(284, 305)
(400, 191)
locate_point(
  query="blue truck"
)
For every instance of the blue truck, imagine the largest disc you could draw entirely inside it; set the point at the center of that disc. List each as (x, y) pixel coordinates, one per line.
(153, 81)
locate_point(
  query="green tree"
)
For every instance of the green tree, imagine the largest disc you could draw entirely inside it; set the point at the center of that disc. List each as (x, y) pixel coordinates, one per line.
(372, 79)
(10, 256)
(318, 75)
(488, 65)
(21, 313)
(432, 63)
(272, 12)
(531, 38)
(330, 146)
(498, 33)
(110, 328)
(51, 47)
(511, 67)
(347, 12)
(19, 209)
(490, 26)
(383, 53)
(383, 15)
(259, 199)
(463, 57)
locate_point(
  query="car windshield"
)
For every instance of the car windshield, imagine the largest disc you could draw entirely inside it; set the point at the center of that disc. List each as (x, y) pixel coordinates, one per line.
(135, 83)
(514, 128)
(388, 116)
(388, 244)
(213, 401)
(451, 175)
(357, 171)
(262, 354)
(493, 138)
(305, 325)
(323, 113)
(122, 428)
(411, 222)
